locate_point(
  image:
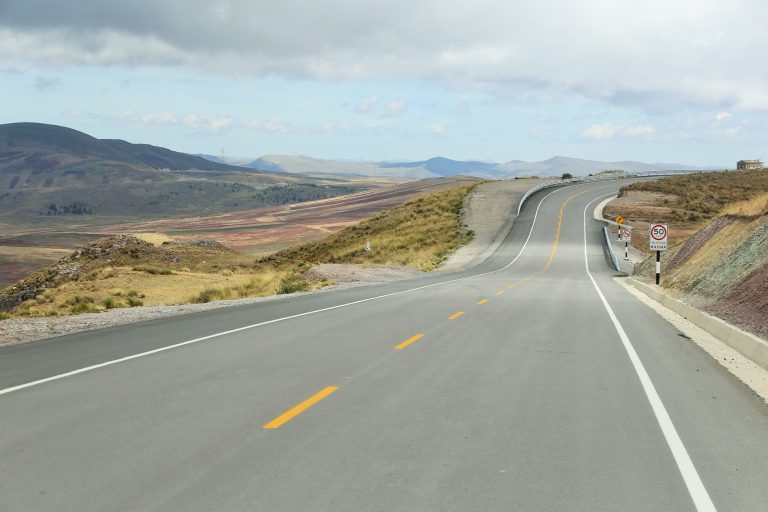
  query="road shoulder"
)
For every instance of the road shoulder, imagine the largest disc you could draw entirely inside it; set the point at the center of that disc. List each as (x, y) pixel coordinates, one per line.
(743, 368)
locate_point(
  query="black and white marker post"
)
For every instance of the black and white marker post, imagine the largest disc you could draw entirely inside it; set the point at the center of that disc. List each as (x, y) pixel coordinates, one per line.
(657, 238)
(626, 237)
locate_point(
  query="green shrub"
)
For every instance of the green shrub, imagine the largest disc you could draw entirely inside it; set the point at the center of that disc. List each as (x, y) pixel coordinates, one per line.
(4, 315)
(133, 301)
(149, 269)
(208, 295)
(291, 284)
(80, 304)
(110, 303)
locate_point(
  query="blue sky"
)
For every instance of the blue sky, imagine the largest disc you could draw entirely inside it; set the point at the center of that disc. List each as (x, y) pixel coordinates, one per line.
(366, 80)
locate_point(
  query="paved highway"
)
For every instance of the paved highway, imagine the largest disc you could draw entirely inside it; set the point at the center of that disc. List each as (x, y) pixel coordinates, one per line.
(533, 382)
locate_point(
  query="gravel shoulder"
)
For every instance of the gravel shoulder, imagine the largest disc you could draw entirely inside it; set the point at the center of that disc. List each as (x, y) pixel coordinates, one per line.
(489, 212)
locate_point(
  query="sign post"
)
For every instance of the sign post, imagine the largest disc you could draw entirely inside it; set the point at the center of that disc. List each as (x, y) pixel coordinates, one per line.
(626, 237)
(619, 220)
(658, 235)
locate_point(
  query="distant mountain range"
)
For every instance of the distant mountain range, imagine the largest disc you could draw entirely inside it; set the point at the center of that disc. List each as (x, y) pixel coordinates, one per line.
(52, 170)
(440, 167)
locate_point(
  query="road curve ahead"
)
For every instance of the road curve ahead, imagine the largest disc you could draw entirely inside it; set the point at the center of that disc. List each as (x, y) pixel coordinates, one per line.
(533, 382)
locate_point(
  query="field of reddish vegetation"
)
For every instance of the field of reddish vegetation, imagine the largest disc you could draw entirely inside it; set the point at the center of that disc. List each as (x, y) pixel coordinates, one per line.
(257, 231)
(268, 229)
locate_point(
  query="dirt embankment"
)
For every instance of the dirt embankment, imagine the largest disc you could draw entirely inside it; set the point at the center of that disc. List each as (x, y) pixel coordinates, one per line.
(722, 269)
(717, 262)
(489, 213)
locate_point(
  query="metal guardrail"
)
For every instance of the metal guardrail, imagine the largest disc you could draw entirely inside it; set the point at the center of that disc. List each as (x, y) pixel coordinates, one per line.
(603, 177)
(614, 259)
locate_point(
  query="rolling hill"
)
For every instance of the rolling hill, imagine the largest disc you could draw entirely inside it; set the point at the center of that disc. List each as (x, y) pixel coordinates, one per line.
(48, 155)
(48, 170)
(442, 167)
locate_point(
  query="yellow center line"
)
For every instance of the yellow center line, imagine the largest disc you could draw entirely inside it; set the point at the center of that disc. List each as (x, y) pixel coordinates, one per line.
(298, 409)
(409, 341)
(455, 315)
(499, 293)
(482, 301)
(560, 223)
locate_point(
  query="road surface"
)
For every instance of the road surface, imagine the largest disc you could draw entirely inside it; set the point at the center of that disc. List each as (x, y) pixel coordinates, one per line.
(533, 382)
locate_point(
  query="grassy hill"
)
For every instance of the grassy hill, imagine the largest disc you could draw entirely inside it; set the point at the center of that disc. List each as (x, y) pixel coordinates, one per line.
(48, 170)
(126, 271)
(45, 147)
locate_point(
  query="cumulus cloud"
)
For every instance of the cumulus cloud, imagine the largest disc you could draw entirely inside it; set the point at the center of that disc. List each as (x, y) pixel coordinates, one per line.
(395, 107)
(367, 105)
(607, 131)
(699, 52)
(722, 116)
(600, 131)
(638, 131)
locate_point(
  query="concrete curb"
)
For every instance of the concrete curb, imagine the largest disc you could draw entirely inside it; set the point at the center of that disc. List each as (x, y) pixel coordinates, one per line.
(745, 343)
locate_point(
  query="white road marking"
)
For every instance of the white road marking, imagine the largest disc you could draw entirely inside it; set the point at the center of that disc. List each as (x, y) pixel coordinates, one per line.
(693, 482)
(276, 320)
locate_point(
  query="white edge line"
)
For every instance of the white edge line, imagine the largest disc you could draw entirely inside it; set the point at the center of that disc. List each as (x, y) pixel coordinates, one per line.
(696, 489)
(275, 320)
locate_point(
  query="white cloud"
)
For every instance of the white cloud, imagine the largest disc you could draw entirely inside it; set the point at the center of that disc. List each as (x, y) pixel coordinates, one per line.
(686, 52)
(437, 129)
(159, 119)
(600, 131)
(638, 131)
(367, 105)
(395, 107)
(722, 116)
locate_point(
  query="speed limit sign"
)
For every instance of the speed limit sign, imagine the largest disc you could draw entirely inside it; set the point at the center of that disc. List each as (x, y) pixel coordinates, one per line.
(657, 236)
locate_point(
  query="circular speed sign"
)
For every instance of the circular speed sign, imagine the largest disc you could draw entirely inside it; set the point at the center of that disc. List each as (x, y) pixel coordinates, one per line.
(659, 232)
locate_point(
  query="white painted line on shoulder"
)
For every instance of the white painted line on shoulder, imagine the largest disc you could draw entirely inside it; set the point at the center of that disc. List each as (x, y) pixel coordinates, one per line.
(693, 482)
(276, 320)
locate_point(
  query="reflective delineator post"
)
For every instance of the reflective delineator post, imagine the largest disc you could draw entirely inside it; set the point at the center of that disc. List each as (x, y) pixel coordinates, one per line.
(658, 266)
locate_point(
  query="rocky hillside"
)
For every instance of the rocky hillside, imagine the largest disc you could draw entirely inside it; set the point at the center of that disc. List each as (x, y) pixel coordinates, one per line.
(723, 268)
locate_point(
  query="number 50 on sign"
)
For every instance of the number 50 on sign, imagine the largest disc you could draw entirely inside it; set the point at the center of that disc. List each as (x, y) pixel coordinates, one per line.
(658, 236)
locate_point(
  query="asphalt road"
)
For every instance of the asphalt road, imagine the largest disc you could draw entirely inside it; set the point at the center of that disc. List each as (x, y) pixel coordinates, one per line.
(553, 390)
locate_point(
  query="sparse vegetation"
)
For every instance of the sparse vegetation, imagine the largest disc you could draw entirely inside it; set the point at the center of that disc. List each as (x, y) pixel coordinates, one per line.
(110, 303)
(5, 316)
(291, 284)
(79, 304)
(149, 269)
(108, 273)
(704, 195)
(133, 302)
(567, 176)
(208, 295)
(420, 233)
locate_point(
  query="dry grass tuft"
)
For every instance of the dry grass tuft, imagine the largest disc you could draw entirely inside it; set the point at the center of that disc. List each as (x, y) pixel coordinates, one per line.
(705, 195)
(752, 207)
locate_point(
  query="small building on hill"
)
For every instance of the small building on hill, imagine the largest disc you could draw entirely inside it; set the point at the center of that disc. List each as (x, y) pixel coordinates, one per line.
(749, 165)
